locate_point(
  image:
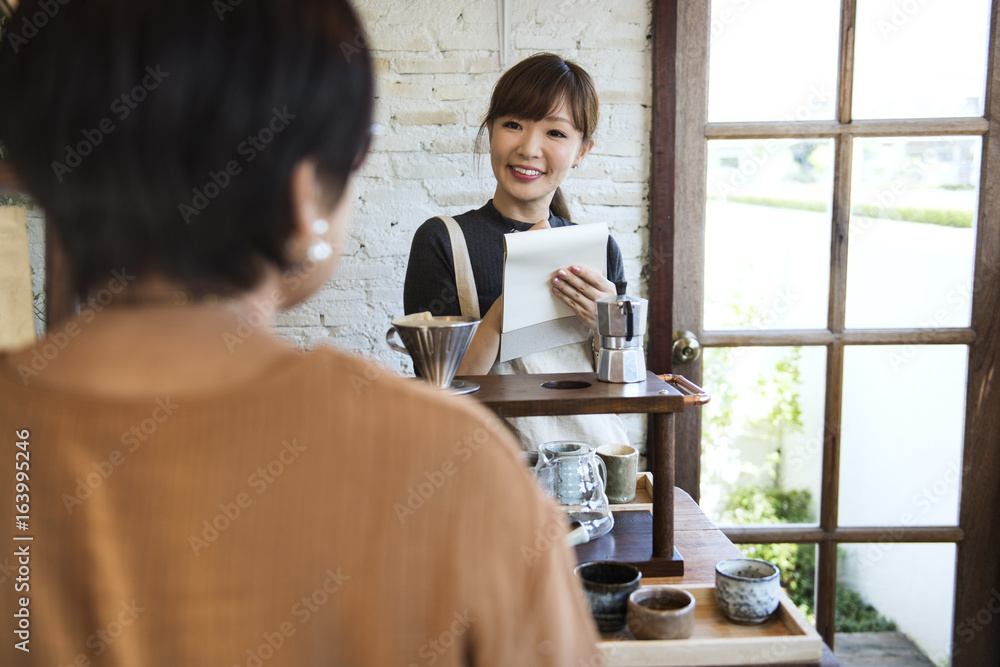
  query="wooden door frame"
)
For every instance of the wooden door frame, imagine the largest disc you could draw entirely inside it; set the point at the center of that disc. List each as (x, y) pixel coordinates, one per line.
(680, 56)
(977, 584)
(680, 95)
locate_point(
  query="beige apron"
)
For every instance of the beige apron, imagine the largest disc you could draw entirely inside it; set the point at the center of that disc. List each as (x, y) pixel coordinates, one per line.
(597, 430)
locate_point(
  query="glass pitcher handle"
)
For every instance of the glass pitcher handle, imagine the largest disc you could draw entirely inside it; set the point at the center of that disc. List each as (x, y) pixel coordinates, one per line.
(604, 471)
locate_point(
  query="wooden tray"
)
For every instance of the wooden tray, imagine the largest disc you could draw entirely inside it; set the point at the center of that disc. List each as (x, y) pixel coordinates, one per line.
(643, 495)
(784, 638)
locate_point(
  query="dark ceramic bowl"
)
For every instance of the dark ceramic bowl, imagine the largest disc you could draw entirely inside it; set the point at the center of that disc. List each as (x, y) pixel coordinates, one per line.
(608, 585)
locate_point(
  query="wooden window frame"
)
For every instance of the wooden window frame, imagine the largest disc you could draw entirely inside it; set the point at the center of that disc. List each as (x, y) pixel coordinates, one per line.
(680, 128)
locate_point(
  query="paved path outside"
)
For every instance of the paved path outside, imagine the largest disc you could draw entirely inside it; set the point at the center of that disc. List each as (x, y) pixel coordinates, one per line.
(878, 649)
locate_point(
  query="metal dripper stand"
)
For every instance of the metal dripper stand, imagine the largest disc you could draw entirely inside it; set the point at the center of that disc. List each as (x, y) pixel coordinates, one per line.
(437, 346)
(621, 324)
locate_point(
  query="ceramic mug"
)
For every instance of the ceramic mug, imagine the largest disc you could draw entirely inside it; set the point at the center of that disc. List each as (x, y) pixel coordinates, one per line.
(748, 590)
(622, 462)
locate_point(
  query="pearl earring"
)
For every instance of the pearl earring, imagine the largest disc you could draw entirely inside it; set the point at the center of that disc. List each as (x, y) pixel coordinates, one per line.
(319, 249)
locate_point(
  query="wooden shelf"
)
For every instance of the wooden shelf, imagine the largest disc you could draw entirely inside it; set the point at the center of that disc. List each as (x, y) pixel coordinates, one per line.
(526, 395)
(629, 542)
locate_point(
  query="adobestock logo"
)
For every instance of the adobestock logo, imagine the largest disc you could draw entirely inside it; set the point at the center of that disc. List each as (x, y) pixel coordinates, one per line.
(57, 341)
(122, 107)
(249, 148)
(101, 470)
(230, 510)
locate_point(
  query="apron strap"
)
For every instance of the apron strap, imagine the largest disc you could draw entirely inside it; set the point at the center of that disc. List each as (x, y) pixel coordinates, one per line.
(465, 281)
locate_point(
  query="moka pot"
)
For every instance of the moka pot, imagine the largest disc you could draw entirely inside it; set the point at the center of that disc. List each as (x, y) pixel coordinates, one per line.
(621, 325)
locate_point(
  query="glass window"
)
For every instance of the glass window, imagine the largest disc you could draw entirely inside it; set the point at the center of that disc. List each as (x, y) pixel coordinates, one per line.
(767, 234)
(920, 59)
(902, 427)
(774, 60)
(762, 434)
(912, 232)
(901, 588)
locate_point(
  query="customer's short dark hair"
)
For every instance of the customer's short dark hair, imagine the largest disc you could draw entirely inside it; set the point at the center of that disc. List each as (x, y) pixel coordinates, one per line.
(161, 135)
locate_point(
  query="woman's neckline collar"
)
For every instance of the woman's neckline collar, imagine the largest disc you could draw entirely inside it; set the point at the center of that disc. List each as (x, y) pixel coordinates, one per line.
(515, 225)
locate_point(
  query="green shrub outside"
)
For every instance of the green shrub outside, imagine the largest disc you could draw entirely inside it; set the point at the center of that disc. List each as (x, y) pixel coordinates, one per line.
(944, 217)
(797, 562)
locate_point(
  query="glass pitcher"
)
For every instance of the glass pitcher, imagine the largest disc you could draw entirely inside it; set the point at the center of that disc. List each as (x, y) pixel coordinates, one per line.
(573, 474)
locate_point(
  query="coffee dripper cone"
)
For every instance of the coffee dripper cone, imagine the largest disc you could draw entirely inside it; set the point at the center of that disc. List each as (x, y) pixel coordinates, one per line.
(437, 345)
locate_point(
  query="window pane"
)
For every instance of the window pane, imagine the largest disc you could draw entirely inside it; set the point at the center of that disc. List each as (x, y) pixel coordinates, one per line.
(767, 234)
(762, 434)
(912, 232)
(901, 435)
(920, 59)
(897, 587)
(765, 64)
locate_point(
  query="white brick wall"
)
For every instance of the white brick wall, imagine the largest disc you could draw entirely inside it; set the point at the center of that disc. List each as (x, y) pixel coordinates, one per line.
(36, 254)
(437, 61)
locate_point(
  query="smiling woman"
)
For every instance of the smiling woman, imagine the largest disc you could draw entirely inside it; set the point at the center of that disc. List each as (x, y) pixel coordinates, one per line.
(540, 124)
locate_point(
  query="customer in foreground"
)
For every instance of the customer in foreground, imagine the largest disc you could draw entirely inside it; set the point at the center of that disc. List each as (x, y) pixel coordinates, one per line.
(196, 491)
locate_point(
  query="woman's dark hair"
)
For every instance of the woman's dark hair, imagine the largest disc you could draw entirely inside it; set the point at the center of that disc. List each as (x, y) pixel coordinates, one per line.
(532, 88)
(161, 135)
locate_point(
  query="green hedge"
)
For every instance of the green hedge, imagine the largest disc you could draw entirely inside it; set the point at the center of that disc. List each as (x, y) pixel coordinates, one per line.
(945, 217)
(797, 562)
(776, 202)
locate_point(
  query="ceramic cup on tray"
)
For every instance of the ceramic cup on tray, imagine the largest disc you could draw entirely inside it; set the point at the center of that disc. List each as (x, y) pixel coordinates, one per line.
(607, 585)
(661, 612)
(622, 463)
(748, 590)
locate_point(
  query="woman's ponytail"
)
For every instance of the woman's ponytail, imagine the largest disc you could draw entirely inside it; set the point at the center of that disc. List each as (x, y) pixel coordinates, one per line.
(559, 206)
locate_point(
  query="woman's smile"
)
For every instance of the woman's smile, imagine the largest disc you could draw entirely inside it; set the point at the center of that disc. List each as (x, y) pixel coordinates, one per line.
(526, 173)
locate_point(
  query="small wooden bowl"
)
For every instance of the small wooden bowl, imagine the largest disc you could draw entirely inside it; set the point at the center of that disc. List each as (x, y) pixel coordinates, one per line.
(661, 612)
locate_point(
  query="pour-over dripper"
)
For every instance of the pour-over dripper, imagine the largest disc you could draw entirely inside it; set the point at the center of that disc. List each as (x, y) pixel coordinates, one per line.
(437, 345)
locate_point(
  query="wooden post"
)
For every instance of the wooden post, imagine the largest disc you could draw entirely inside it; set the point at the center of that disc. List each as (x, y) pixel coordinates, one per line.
(662, 428)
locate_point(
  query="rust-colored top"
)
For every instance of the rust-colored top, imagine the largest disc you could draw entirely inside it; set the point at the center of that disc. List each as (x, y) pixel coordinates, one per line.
(329, 513)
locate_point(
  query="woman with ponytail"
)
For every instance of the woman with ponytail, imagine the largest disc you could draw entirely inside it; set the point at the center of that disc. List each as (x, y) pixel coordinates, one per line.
(540, 124)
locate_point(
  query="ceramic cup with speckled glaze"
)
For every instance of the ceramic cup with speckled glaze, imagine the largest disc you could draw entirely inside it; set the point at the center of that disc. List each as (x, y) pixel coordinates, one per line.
(748, 590)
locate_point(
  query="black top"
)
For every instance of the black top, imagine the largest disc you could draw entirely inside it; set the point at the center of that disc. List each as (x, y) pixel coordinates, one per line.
(430, 272)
